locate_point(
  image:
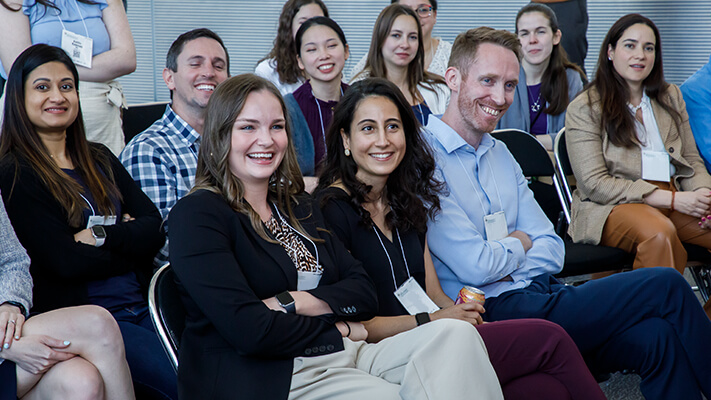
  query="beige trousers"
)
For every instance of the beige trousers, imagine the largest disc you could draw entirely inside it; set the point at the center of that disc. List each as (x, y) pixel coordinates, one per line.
(101, 105)
(442, 360)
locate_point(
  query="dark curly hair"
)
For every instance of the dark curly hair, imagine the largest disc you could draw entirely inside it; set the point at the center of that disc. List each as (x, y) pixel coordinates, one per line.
(284, 50)
(411, 190)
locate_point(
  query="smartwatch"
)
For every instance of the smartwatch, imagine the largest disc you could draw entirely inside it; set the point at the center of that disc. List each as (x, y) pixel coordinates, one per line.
(99, 234)
(287, 301)
(422, 318)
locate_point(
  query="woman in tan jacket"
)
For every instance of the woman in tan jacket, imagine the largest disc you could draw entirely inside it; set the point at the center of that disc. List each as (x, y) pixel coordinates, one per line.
(642, 185)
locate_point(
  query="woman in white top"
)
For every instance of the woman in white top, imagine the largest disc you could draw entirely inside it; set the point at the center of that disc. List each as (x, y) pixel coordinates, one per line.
(280, 66)
(437, 51)
(397, 54)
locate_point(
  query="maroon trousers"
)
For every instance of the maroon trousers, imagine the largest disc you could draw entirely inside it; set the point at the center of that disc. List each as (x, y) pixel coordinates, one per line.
(536, 359)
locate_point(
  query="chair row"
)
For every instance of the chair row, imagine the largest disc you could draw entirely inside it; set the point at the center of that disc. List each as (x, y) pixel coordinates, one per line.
(580, 258)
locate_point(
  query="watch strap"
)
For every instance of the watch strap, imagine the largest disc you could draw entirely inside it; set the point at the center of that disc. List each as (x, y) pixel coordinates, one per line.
(99, 240)
(18, 305)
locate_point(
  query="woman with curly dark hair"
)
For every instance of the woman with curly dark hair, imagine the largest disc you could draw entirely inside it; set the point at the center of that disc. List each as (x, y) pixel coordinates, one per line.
(377, 191)
(280, 66)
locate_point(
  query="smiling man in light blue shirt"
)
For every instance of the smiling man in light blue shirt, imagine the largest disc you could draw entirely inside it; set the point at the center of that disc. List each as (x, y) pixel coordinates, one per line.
(490, 233)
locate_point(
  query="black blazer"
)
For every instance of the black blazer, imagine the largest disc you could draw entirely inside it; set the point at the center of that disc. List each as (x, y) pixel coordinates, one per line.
(61, 267)
(234, 346)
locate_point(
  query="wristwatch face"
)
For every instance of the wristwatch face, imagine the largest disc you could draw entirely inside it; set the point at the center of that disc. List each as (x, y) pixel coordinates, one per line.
(284, 299)
(98, 231)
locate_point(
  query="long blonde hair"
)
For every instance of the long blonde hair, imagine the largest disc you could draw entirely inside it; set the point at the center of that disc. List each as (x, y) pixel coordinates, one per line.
(213, 171)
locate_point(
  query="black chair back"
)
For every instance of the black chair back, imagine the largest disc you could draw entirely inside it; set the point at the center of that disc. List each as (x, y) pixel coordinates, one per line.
(137, 118)
(580, 258)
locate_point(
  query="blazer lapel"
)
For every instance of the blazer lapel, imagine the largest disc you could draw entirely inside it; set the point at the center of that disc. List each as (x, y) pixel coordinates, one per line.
(664, 121)
(276, 252)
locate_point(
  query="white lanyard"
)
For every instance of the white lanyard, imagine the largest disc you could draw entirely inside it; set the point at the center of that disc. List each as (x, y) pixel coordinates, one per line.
(76, 4)
(320, 117)
(392, 268)
(297, 232)
(87, 202)
(422, 115)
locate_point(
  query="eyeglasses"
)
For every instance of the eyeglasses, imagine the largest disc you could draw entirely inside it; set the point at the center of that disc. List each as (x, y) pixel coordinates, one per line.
(424, 11)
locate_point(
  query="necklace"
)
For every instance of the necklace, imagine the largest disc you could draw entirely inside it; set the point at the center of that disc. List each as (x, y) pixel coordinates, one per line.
(536, 106)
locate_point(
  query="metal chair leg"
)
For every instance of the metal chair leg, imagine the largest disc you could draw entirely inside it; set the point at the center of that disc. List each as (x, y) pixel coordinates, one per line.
(702, 277)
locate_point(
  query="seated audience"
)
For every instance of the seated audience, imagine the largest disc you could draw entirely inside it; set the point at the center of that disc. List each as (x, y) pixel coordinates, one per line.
(163, 158)
(280, 66)
(88, 228)
(697, 96)
(323, 52)
(436, 49)
(272, 298)
(642, 186)
(397, 54)
(547, 81)
(70, 353)
(376, 192)
(491, 234)
(101, 46)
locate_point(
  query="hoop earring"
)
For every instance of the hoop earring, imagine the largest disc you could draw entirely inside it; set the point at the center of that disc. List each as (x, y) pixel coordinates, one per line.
(347, 152)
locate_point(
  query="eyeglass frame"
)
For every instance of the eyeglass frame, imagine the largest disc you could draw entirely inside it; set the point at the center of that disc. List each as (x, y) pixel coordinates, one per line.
(426, 10)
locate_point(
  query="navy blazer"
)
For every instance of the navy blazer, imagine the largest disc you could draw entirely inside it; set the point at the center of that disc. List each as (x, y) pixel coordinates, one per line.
(233, 345)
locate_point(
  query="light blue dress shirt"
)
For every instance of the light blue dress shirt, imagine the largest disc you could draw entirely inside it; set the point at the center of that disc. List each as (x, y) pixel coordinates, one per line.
(480, 182)
(697, 96)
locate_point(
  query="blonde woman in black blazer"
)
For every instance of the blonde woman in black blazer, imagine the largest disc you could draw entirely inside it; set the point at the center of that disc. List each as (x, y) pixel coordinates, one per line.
(240, 245)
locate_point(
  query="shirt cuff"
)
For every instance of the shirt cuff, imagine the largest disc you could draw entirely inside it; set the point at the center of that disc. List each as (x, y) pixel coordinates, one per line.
(515, 252)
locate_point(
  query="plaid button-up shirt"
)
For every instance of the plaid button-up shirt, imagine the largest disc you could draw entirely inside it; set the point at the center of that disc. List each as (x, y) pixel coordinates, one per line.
(163, 160)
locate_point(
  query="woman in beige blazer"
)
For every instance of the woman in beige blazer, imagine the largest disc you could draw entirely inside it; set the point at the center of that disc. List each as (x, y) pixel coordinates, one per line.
(642, 185)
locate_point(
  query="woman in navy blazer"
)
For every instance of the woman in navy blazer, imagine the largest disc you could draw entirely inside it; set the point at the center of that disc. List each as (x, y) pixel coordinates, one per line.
(259, 324)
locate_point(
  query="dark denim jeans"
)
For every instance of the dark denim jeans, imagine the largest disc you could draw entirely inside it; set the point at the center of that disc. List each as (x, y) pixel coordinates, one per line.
(153, 375)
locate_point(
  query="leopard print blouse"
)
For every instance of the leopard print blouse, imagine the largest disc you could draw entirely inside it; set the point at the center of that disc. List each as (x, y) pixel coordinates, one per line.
(294, 246)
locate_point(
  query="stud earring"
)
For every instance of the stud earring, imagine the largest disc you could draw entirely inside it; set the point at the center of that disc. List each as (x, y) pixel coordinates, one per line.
(609, 58)
(347, 152)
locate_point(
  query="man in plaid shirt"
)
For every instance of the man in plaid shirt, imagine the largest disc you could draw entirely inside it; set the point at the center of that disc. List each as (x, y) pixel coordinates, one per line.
(163, 158)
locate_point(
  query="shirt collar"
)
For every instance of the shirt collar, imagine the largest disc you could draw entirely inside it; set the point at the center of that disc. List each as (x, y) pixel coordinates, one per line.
(170, 118)
(451, 140)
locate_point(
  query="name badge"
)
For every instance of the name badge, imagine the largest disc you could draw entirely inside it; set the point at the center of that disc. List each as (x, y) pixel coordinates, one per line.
(101, 220)
(414, 299)
(78, 47)
(655, 166)
(307, 280)
(495, 226)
